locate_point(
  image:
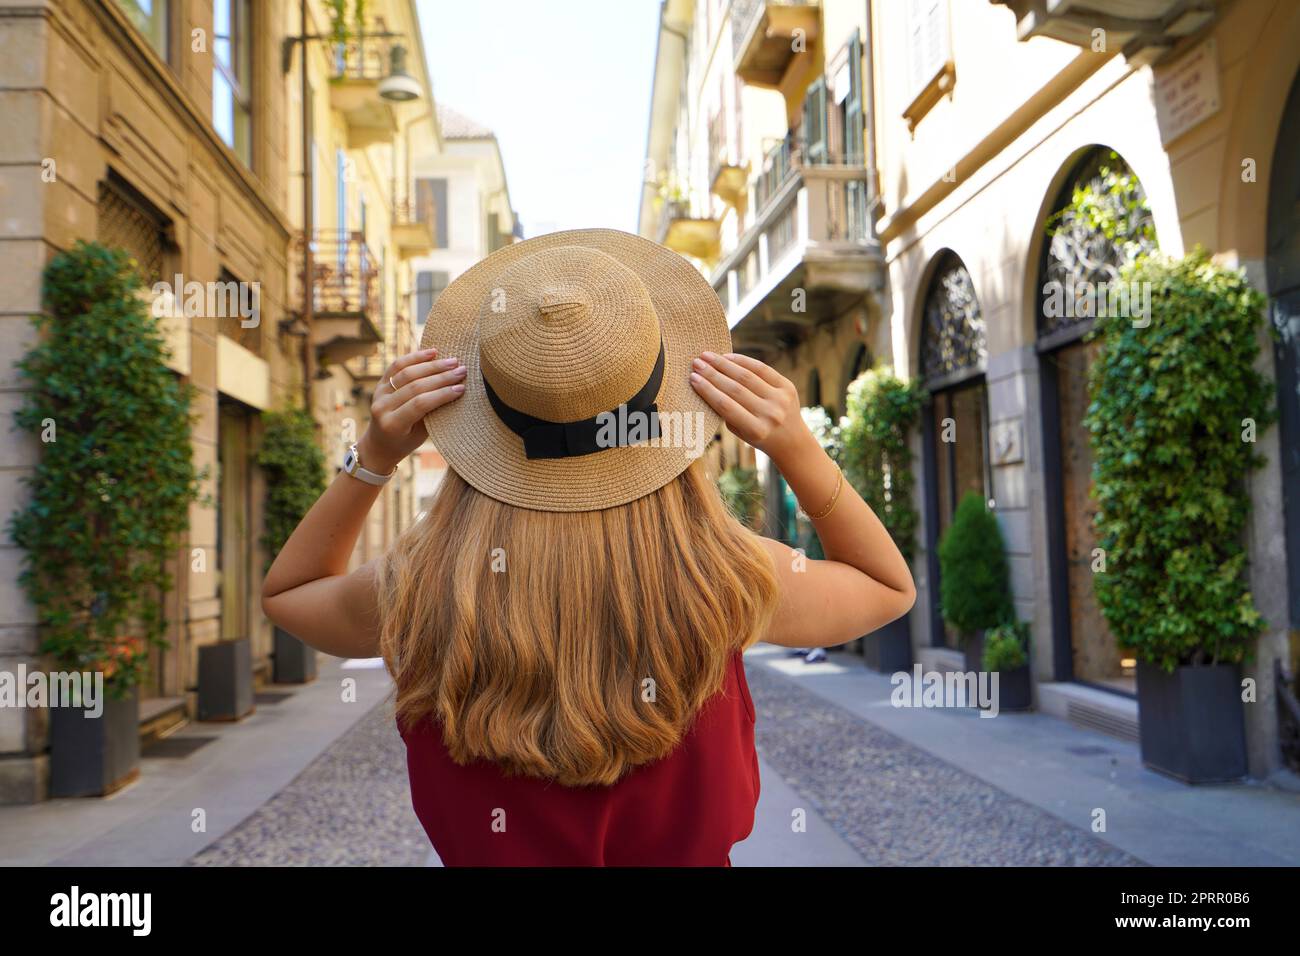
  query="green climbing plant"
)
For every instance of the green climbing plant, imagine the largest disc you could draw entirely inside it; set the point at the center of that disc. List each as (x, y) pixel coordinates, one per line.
(740, 490)
(295, 474)
(874, 451)
(111, 492)
(1175, 406)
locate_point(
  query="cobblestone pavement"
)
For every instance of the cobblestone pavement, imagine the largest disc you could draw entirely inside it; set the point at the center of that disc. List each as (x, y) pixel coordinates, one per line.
(892, 802)
(898, 805)
(350, 807)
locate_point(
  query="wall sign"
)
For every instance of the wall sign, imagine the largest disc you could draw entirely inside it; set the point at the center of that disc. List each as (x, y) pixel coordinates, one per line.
(1187, 92)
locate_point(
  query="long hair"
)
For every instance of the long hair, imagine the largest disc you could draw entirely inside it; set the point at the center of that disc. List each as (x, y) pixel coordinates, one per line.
(569, 646)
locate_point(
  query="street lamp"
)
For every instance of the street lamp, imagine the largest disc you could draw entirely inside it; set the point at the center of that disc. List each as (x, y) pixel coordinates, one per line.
(399, 86)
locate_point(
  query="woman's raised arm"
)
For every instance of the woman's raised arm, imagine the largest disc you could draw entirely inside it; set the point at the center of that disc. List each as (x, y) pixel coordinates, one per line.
(309, 591)
(864, 583)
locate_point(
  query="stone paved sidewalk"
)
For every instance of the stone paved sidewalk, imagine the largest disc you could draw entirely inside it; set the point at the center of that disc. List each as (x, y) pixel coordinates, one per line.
(897, 805)
(349, 807)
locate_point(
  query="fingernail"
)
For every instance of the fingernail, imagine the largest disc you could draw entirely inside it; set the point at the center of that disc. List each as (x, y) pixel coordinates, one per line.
(430, 351)
(698, 363)
(459, 371)
(695, 377)
(708, 355)
(458, 388)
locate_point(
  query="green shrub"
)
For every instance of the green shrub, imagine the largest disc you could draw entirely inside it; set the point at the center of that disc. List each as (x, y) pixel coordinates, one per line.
(741, 491)
(1006, 647)
(874, 450)
(974, 586)
(295, 474)
(111, 494)
(1170, 409)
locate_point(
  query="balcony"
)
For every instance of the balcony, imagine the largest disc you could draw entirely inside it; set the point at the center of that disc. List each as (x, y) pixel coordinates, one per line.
(771, 36)
(727, 178)
(811, 235)
(358, 67)
(690, 235)
(412, 229)
(1144, 30)
(346, 297)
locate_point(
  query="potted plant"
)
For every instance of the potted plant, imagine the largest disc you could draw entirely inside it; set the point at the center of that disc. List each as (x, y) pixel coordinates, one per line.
(109, 501)
(226, 679)
(1175, 406)
(877, 461)
(974, 588)
(1006, 653)
(295, 478)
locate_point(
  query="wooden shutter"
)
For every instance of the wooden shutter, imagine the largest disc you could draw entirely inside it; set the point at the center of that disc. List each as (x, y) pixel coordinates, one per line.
(814, 122)
(854, 153)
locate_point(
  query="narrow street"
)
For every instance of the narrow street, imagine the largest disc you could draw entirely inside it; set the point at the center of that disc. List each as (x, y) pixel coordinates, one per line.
(877, 785)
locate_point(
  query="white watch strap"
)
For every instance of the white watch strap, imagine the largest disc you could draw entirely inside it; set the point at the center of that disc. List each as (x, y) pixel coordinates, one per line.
(369, 477)
(363, 474)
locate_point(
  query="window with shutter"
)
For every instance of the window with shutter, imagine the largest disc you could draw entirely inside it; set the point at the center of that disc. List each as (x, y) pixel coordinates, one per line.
(814, 123)
(431, 208)
(854, 151)
(930, 71)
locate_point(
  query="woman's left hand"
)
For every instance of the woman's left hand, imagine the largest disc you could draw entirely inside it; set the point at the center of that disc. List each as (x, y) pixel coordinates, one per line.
(413, 386)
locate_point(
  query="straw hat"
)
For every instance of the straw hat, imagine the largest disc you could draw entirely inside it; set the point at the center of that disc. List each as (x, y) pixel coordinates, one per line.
(563, 337)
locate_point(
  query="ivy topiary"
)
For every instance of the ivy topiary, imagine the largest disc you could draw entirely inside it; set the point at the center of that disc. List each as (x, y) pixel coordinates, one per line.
(295, 474)
(1174, 409)
(874, 452)
(974, 585)
(110, 496)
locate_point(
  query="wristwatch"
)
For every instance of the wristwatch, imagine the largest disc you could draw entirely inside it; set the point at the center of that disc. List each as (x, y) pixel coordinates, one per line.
(352, 466)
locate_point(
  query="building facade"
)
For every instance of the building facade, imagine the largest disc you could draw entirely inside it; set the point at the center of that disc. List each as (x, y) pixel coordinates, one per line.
(873, 181)
(177, 131)
(465, 186)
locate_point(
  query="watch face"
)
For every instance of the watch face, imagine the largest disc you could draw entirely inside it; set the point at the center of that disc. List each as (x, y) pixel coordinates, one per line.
(350, 461)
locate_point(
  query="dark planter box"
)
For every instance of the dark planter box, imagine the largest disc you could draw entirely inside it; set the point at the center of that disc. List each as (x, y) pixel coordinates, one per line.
(295, 662)
(1191, 723)
(1014, 691)
(889, 649)
(94, 756)
(973, 648)
(226, 680)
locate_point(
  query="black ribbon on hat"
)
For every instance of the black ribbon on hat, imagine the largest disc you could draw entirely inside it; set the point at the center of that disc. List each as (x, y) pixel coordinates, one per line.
(547, 439)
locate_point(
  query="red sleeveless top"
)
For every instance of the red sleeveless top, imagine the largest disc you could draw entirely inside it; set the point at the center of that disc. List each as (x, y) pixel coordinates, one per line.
(684, 810)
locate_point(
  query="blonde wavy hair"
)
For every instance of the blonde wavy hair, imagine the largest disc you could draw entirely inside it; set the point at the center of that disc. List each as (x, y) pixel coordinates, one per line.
(528, 635)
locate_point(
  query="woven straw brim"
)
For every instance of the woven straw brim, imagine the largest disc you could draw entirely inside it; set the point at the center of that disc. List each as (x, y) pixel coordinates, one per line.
(490, 457)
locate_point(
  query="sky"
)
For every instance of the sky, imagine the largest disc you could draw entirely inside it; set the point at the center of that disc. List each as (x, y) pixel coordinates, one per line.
(565, 84)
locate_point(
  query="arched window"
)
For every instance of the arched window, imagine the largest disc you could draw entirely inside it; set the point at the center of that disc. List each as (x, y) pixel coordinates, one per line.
(1080, 265)
(953, 355)
(952, 329)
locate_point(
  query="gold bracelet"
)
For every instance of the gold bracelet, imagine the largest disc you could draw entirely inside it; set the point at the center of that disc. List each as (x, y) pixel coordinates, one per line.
(834, 498)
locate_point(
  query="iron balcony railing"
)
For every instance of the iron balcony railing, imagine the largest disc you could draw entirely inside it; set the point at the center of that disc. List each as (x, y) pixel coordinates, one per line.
(361, 58)
(346, 278)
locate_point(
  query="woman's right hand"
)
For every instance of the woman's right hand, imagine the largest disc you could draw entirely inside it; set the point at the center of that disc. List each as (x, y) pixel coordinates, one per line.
(758, 403)
(413, 386)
